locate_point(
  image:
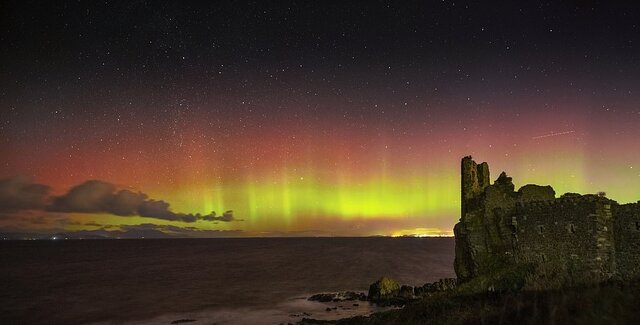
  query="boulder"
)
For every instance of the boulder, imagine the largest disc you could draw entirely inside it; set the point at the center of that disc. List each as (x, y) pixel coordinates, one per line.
(384, 289)
(350, 296)
(338, 296)
(440, 285)
(406, 292)
(322, 297)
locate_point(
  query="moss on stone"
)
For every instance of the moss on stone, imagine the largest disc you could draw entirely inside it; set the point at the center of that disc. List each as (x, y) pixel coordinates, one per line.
(384, 289)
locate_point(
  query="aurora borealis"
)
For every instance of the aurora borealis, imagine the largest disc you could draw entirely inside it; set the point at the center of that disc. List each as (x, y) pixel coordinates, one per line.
(315, 119)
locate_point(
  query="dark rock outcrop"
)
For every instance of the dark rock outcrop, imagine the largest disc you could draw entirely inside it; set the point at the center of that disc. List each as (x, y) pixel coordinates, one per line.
(338, 296)
(406, 292)
(322, 297)
(509, 239)
(384, 289)
(440, 285)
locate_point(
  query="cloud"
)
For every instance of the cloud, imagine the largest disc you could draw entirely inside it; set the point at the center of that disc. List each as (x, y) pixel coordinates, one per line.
(98, 197)
(149, 230)
(227, 216)
(19, 193)
(68, 222)
(39, 220)
(160, 210)
(145, 230)
(93, 196)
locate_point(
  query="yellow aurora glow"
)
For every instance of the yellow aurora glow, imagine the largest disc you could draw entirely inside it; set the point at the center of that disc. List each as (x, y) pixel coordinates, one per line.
(286, 202)
(414, 202)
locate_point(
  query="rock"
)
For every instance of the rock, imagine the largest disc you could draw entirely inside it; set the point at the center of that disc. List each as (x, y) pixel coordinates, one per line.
(384, 289)
(440, 285)
(323, 297)
(350, 295)
(338, 296)
(406, 292)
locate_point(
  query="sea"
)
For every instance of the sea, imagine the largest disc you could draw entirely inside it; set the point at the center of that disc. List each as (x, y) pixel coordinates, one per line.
(205, 281)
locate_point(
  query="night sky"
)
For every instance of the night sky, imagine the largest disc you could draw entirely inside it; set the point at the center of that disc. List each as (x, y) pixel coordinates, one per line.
(306, 118)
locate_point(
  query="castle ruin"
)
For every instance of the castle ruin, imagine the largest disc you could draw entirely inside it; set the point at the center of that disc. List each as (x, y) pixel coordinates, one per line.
(529, 238)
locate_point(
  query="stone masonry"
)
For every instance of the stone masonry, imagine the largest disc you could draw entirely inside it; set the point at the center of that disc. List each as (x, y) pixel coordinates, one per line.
(570, 240)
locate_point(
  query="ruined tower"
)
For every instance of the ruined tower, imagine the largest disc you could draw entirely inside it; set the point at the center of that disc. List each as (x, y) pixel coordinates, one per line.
(471, 244)
(537, 240)
(474, 179)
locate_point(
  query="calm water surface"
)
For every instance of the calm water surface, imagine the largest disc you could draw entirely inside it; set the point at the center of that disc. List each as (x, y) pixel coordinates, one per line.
(217, 280)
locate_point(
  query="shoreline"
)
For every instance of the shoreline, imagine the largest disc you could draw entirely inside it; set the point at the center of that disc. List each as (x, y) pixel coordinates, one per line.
(291, 311)
(612, 302)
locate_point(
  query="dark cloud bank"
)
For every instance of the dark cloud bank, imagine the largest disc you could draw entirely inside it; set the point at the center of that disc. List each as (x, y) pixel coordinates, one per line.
(145, 230)
(19, 193)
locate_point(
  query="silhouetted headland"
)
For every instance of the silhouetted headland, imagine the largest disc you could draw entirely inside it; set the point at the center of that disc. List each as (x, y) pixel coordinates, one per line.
(526, 256)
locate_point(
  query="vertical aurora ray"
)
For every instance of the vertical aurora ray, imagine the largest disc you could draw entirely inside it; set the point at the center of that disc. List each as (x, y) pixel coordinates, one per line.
(286, 196)
(346, 186)
(288, 201)
(252, 201)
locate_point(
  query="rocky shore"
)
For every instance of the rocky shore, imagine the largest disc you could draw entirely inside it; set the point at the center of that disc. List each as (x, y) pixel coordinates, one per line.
(385, 292)
(612, 302)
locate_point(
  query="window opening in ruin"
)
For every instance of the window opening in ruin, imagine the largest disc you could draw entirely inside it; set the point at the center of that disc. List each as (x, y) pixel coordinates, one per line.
(572, 228)
(540, 229)
(543, 257)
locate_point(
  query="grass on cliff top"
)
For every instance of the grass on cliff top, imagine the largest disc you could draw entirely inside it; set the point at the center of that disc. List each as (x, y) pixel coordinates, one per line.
(607, 303)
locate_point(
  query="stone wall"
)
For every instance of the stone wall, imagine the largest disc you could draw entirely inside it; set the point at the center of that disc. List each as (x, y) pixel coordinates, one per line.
(549, 241)
(484, 230)
(627, 239)
(570, 241)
